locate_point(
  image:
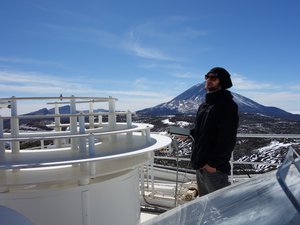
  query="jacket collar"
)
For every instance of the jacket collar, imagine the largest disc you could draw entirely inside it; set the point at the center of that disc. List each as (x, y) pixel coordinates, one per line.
(213, 97)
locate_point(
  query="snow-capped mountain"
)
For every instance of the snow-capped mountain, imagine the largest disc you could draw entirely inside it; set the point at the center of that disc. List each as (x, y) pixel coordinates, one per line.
(188, 103)
(185, 103)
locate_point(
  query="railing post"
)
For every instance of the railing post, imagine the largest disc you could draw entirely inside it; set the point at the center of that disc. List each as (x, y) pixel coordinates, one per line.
(152, 175)
(91, 145)
(142, 174)
(112, 113)
(112, 121)
(129, 119)
(2, 143)
(2, 155)
(57, 142)
(82, 140)
(88, 168)
(91, 118)
(129, 125)
(42, 144)
(100, 120)
(73, 124)
(148, 175)
(14, 126)
(148, 138)
(231, 166)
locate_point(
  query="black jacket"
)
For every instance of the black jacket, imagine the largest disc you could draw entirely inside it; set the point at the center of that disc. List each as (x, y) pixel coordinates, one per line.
(215, 131)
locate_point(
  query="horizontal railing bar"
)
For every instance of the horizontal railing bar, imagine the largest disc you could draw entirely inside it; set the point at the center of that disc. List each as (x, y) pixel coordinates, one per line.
(256, 163)
(258, 135)
(172, 158)
(88, 101)
(269, 135)
(50, 137)
(234, 162)
(59, 98)
(64, 115)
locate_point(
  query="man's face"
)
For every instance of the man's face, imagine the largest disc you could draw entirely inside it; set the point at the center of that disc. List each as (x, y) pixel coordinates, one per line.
(212, 83)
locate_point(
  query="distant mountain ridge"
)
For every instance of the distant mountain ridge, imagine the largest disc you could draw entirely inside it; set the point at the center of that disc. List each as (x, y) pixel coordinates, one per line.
(189, 101)
(62, 110)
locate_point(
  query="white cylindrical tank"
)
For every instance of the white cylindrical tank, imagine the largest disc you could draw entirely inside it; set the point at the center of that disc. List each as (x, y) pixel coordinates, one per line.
(112, 200)
(92, 181)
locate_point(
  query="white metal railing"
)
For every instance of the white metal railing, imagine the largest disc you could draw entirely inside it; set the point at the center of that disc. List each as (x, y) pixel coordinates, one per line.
(81, 147)
(150, 165)
(79, 136)
(81, 139)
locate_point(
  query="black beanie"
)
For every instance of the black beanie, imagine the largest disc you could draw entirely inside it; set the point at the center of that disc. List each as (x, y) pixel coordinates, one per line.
(223, 75)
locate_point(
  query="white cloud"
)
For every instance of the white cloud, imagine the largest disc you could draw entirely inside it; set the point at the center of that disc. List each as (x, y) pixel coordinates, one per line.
(268, 94)
(148, 53)
(287, 101)
(136, 94)
(133, 45)
(135, 104)
(186, 75)
(169, 29)
(242, 83)
(34, 83)
(37, 80)
(22, 84)
(30, 61)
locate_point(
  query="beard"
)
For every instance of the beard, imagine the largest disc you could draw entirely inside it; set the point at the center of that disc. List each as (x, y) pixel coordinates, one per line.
(212, 88)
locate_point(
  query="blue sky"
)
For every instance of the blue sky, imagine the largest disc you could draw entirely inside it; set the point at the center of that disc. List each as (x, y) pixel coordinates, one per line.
(147, 52)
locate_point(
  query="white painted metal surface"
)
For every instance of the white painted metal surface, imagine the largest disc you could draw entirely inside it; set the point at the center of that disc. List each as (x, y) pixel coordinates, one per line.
(89, 175)
(112, 199)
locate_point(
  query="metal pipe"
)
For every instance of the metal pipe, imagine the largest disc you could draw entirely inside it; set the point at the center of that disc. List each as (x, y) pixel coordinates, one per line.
(82, 140)
(175, 145)
(2, 143)
(148, 138)
(73, 124)
(14, 126)
(142, 176)
(91, 118)
(129, 125)
(67, 115)
(42, 144)
(231, 166)
(91, 145)
(57, 98)
(57, 142)
(129, 119)
(152, 175)
(112, 116)
(112, 120)
(100, 120)
(51, 135)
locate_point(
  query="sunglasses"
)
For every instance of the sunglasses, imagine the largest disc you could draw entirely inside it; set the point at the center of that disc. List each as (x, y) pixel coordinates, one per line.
(211, 77)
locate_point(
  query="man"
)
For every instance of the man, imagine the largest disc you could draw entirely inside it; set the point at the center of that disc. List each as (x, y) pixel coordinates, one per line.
(215, 132)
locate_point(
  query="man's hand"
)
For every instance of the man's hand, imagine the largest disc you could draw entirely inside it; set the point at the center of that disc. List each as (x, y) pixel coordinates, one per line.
(209, 169)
